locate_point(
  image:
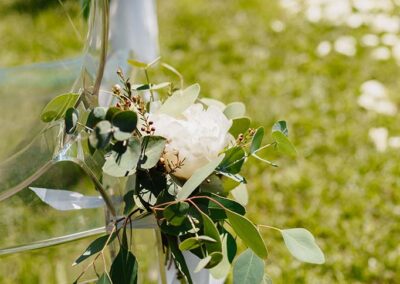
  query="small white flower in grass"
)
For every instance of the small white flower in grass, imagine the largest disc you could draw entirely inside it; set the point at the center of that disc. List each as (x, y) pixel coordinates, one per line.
(314, 14)
(379, 137)
(373, 97)
(324, 48)
(396, 52)
(370, 40)
(390, 39)
(278, 26)
(199, 136)
(381, 53)
(346, 45)
(385, 23)
(394, 142)
(354, 21)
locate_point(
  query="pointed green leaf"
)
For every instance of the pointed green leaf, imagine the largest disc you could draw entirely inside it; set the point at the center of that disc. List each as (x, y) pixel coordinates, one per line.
(57, 107)
(211, 231)
(202, 264)
(198, 177)
(178, 258)
(104, 279)
(216, 258)
(301, 244)
(257, 140)
(221, 270)
(194, 242)
(248, 268)
(180, 101)
(249, 234)
(235, 110)
(137, 63)
(152, 150)
(239, 126)
(95, 247)
(124, 268)
(233, 161)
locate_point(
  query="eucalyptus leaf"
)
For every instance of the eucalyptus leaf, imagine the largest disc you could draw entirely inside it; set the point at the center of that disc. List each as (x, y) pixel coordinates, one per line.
(95, 116)
(126, 122)
(202, 264)
(57, 107)
(120, 164)
(137, 63)
(176, 213)
(95, 247)
(249, 234)
(221, 270)
(235, 110)
(194, 242)
(71, 120)
(301, 244)
(239, 126)
(180, 101)
(283, 144)
(233, 161)
(180, 261)
(281, 126)
(257, 140)
(211, 231)
(216, 258)
(152, 150)
(248, 268)
(240, 194)
(124, 268)
(101, 136)
(111, 112)
(198, 177)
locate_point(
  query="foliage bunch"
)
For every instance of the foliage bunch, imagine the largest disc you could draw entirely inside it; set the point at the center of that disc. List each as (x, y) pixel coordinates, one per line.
(203, 213)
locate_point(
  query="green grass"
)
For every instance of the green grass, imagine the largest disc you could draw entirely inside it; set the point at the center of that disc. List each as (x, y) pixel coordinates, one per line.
(340, 187)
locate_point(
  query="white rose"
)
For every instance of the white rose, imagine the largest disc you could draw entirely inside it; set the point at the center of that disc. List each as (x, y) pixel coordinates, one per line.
(199, 136)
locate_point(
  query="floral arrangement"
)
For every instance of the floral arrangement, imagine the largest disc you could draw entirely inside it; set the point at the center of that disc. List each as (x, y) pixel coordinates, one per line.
(180, 157)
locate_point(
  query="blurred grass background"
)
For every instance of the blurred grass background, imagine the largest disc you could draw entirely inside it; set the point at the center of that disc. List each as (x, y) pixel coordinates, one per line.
(340, 187)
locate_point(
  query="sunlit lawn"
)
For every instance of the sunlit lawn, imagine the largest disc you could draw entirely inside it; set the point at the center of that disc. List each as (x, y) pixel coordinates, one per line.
(339, 187)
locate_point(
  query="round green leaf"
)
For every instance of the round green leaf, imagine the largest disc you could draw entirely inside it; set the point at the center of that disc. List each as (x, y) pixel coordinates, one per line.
(281, 126)
(283, 144)
(153, 148)
(239, 125)
(95, 116)
(101, 135)
(176, 213)
(126, 122)
(249, 234)
(301, 244)
(120, 163)
(235, 110)
(248, 268)
(180, 101)
(71, 120)
(57, 107)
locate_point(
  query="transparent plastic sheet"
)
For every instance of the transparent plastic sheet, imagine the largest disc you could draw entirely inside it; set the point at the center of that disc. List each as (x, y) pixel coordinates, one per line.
(39, 155)
(32, 152)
